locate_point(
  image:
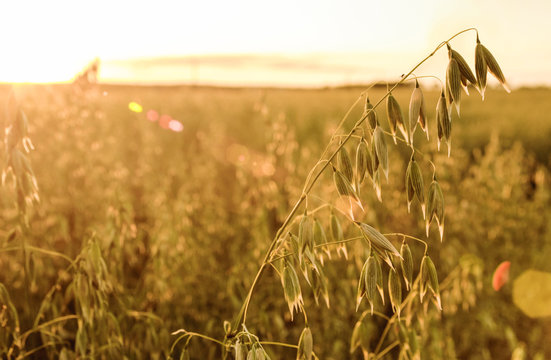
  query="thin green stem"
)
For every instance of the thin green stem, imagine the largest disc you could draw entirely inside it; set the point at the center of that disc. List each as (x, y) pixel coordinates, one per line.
(318, 246)
(43, 346)
(386, 350)
(48, 323)
(410, 237)
(375, 312)
(276, 343)
(192, 334)
(38, 250)
(426, 77)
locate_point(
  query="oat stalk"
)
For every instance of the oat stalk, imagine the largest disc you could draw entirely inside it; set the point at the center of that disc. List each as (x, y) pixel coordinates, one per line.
(314, 175)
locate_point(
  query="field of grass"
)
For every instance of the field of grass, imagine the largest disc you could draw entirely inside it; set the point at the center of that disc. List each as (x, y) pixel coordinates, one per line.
(141, 231)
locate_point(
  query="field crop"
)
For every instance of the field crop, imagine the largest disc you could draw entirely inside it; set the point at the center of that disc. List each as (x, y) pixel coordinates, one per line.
(141, 231)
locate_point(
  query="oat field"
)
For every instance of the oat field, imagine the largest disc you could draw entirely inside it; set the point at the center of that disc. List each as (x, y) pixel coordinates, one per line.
(146, 239)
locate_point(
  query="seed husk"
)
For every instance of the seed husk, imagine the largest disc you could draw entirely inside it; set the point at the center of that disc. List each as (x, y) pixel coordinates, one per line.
(435, 202)
(260, 354)
(417, 113)
(305, 345)
(240, 351)
(370, 161)
(344, 187)
(466, 73)
(430, 278)
(291, 288)
(381, 149)
(380, 280)
(414, 179)
(338, 235)
(336, 229)
(480, 67)
(378, 239)
(395, 291)
(362, 158)
(494, 69)
(372, 120)
(371, 279)
(395, 118)
(305, 234)
(492, 65)
(345, 164)
(407, 264)
(453, 84)
(443, 120)
(321, 239)
(360, 293)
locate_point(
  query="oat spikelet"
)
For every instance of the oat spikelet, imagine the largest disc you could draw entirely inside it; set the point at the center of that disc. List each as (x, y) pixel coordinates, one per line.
(417, 113)
(481, 68)
(435, 205)
(395, 118)
(414, 184)
(453, 83)
(494, 69)
(407, 265)
(467, 75)
(485, 61)
(395, 291)
(372, 120)
(443, 120)
(381, 149)
(377, 239)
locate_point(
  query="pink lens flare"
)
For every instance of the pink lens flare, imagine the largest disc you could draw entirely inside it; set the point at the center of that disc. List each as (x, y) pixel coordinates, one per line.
(152, 115)
(175, 125)
(501, 275)
(164, 121)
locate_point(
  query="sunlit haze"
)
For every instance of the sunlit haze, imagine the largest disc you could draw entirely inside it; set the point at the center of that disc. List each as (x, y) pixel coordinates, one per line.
(246, 42)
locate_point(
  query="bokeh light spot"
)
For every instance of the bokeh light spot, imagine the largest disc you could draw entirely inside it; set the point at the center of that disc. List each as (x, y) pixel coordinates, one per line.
(152, 115)
(135, 107)
(164, 121)
(175, 125)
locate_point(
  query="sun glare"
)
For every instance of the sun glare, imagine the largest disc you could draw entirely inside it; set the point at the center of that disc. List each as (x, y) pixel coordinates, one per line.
(57, 39)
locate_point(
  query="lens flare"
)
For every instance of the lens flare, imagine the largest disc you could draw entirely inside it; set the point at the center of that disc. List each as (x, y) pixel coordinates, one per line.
(152, 115)
(175, 125)
(501, 275)
(135, 107)
(164, 121)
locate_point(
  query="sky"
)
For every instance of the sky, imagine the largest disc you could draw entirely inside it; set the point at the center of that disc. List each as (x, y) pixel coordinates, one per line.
(285, 42)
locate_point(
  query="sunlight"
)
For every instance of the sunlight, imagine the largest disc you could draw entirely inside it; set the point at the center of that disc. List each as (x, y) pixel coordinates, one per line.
(53, 41)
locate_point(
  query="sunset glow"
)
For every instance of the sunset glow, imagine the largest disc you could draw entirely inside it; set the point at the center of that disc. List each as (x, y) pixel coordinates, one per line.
(338, 42)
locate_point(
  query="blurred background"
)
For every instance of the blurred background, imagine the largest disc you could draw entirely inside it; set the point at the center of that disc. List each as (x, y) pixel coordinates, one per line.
(171, 141)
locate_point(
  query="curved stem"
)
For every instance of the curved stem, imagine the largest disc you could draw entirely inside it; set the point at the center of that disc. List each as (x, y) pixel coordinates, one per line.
(410, 237)
(39, 250)
(46, 324)
(386, 350)
(318, 246)
(426, 77)
(276, 343)
(192, 334)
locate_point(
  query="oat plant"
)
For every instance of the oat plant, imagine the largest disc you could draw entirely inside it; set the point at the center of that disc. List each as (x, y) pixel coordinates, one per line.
(357, 161)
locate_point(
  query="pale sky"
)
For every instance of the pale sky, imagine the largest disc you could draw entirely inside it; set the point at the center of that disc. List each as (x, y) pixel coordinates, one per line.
(53, 40)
